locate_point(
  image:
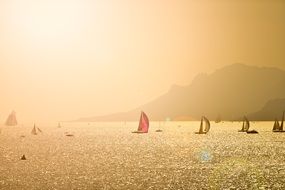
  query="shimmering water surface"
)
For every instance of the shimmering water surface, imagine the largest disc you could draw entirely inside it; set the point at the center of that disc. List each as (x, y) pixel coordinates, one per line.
(109, 156)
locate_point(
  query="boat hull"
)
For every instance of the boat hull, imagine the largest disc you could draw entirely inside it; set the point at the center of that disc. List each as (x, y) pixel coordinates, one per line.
(279, 131)
(139, 132)
(252, 132)
(200, 133)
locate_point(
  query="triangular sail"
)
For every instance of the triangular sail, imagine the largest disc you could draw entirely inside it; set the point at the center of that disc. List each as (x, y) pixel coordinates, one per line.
(242, 126)
(206, 122)
(140, 123)
(282, 122)
(34, 130)
(201, 126)
(276, 126)
(11, 120)
(144, 123)
(247, 124)
(208, 125)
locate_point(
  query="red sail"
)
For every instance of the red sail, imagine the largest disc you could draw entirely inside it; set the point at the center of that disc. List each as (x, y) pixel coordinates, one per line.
(11, 120)
(144, 123)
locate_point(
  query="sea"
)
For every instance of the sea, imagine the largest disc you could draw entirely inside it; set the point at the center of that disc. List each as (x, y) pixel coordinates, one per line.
(106, 155)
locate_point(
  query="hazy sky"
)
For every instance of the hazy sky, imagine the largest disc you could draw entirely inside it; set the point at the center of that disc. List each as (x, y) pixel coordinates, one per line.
(63, 59)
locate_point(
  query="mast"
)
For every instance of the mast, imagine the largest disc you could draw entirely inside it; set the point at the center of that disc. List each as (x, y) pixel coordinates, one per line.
(276, 126)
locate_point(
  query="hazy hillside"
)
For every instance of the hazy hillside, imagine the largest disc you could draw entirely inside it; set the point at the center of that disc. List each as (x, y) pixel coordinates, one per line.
(231, 92)
(273, 109)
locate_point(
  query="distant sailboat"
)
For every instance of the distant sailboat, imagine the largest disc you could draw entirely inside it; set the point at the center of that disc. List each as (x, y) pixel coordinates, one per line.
(36, 130)
(143, 124)
(277, 127)
(205, 121)
(159, 128)
(11, 120)
(23, 157)
(245, 125)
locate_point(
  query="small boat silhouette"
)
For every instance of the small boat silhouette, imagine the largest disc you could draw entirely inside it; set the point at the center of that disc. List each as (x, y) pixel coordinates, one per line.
(23, 157)
(279, 128)
(36, 130)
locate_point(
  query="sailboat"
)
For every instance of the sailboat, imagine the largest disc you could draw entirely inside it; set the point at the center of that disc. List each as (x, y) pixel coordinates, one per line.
(23, 157)
(207, 126)
(11, 120)
(245, 125)
(143, 124)
(277, 127)
(36, 130)
(159, 128)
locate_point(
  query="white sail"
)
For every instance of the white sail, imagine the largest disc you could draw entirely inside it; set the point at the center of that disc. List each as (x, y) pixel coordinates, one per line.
(201, 126)
(247, 124)
(276, 126)
(282, 122)
(206, 122)
(208, 125)
(242, 129)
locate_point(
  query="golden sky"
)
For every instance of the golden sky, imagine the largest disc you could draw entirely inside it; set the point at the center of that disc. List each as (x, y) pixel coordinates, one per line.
(63, 59)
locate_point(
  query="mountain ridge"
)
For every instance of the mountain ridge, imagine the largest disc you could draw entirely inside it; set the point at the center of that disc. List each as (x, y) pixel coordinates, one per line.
(232, 91)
